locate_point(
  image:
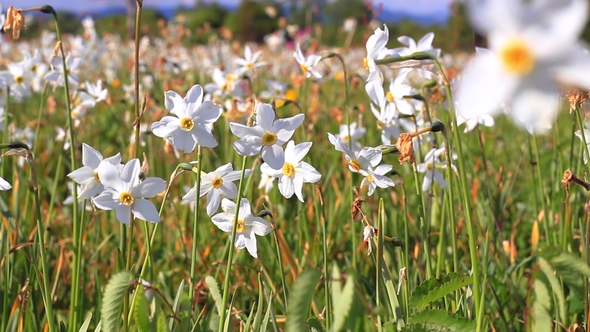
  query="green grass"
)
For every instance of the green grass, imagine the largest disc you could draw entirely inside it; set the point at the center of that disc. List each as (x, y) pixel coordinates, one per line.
(506, 196)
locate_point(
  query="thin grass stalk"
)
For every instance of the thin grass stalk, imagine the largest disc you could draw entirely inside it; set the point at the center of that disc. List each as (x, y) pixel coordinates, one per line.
(44, 279)
(231, 251)
(378, 262)
(280, 259)
(424, 226)
(442, 237)
(406, 255)
(77, 226)
(151, 237)
(546, 215)
(324, 225)
(196, 223)
(462, 178)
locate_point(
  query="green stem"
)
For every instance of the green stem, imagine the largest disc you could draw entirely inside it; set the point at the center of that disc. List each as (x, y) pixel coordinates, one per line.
(231, 250)
(324, 225)
(546, 215)
(74, 297)
(424, 226)
(151, 238)
(462, 180)
(44, 279)
(196, 222)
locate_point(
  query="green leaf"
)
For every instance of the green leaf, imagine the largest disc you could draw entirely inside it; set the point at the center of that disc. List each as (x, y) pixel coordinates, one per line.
(86, 323)
(314, 325)
(439, 321)
(215, 293)
(176, 304)
(555, 286)
(140, 310)
(112, 300)
(300, 300)
(436, 288)
(258, 317)
(161, 325)
(570, 268)
(342, 299)
(542, 320)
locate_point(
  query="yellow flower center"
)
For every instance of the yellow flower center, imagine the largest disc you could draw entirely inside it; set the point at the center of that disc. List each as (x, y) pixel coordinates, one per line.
(370, 178)
(250, 66)
(240, 226)
(34, 68)
(288, 169)
(96, 178)
(217, 182)
(269, 139)
(366, 63)
(19, 79)
(126, 198)
(389, 96)
(346, 138)
(516, 57)
(187, 124)
(304, 68)
(355, 165)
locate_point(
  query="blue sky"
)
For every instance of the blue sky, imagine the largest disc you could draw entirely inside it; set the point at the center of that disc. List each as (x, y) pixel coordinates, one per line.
(423, 7)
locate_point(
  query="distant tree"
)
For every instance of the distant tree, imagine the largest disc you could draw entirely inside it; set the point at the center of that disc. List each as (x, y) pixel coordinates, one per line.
(251, 21)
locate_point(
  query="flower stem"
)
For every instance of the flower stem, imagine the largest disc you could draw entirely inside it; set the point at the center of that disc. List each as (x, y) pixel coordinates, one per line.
(196, 222)
(230, 254)
(77, 222)
(462, 180)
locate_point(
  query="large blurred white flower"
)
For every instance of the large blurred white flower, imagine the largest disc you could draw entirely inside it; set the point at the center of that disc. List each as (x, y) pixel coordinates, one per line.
(531, 43)
(189, 127)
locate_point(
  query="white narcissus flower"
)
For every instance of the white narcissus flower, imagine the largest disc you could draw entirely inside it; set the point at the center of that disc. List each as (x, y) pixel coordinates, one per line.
(376, 178)
(376, 49)
(56, 77)
(87, 175)
(93, 94)
(352, 134)
(357, 159)
(247, 225)
(193, 115)
(470, 124)
(423, 45)
(268, 135)
(249, 62)
(215, 184)
(294, 171)
(397, 91)
(430, 167)
(531, 44)
(266, 183)
(125, 193)
(307, 64)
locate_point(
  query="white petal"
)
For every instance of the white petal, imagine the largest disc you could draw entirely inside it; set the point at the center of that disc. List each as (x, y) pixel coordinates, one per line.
(90, 157)
(150, 187)
(274, 156)
(265, 116)
(484, 87)
(286, 186)
(295, 153)
(123, 213)
(145, 210)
